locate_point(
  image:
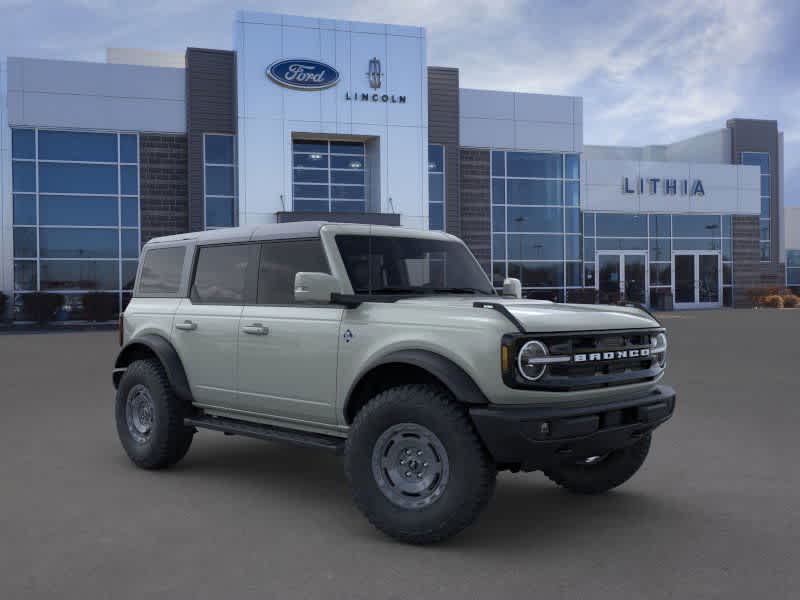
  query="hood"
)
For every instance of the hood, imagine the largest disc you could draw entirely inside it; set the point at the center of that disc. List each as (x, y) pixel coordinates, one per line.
(542, 316)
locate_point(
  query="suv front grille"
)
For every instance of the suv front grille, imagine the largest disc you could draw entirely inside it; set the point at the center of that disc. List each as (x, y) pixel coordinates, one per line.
(597, 359)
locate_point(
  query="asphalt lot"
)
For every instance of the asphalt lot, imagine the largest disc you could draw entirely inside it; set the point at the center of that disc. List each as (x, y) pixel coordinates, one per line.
(714, 513)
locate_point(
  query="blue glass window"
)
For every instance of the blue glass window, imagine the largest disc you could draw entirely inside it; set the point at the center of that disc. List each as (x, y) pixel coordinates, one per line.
(219, 212)
(695, 244)
(130, 212)
(129, 180)
(588, 224)
(312, 205)
(313, 161)
(622, 225)
(727, 225)
(435, 158)
(498, 163)
(621, 244)
(24, 209)
(219, 149)
(356, 177)
(23, 143)
(535, 247)
(77, 146)
(77, 178)
(23, 176)
(498, 218)
(530, 191)
(572, 247)
(78, 243)
(499, 246)
(128, 149)
(77, 210)
(572, 191)
(310, 146)
(765, 191)
(573, 274)
(130, 243)
(660, 226)
(793, 258)
(312, 175)
(535, 219)
(696, 225)
(573, 166)
(758, 159)
(219, 181)
(572, 220)
(530, 164)
(129, 273)
(347, 148)
(347, 192)
(24, 242)
(660, 249)
(25, 275)
(347, 206)
(498, 191)
(538, 274)
(80, 275)
(588, 249)
(348, 162)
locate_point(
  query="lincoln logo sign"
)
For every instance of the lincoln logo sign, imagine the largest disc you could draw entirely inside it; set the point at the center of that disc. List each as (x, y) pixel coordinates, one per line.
(667, 186)
(302, 74)
(616, 355)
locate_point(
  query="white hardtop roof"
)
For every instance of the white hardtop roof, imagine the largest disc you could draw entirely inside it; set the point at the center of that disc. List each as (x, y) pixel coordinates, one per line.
(299, 229)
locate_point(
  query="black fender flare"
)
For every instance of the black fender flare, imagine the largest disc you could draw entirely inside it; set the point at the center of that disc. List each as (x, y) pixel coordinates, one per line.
(166, 354)
(453, 377)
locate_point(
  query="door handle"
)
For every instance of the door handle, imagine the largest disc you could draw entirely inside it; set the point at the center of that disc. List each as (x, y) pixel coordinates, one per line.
(255, 329)
(186, 325)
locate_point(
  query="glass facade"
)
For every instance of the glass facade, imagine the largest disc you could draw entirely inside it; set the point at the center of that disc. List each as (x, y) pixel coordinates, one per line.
(219, 168)
(793, 268)
(761, 160)
(328, 176)
(536, 235)
(436, 186)
(658, 235)
(76, 214)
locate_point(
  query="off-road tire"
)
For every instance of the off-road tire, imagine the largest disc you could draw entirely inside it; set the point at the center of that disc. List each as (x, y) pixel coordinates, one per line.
(613, 470)
(169, 439)
(472, 472)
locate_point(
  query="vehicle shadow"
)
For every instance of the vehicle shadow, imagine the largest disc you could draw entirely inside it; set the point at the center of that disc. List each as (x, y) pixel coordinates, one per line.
(527, 510)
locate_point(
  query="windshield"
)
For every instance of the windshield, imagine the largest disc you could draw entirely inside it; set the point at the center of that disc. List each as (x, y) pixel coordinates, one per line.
(398, 265)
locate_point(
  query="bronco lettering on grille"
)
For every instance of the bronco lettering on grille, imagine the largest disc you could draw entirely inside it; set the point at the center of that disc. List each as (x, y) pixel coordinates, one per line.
(615, 355)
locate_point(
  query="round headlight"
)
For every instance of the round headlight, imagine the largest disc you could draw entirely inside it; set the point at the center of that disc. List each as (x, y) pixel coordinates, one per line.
(658, 347)
(530, 360)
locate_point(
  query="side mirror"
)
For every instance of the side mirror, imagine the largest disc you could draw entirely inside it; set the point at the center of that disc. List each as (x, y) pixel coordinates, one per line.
(315, 288)
(512, 288)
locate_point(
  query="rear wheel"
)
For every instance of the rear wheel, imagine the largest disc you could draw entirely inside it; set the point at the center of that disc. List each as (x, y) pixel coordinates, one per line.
(150, 417)
(597, 474)
(417, 469)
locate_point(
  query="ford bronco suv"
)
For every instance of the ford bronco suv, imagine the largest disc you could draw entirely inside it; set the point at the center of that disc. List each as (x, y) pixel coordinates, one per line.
(391, 347)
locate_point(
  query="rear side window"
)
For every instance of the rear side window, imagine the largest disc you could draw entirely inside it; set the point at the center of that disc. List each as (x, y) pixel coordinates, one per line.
(281, 261)
(161, 271)
(220, 276)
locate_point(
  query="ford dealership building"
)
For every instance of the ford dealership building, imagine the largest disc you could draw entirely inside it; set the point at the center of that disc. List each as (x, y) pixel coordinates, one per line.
(320, 119)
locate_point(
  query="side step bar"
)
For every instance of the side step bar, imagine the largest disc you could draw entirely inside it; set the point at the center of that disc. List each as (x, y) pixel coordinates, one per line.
(268, 432)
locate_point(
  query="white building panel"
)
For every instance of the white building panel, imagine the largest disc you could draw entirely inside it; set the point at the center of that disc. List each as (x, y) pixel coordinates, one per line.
(270, 114)
(534, 121)
(55, 93)
(724, 189)
(6, 205)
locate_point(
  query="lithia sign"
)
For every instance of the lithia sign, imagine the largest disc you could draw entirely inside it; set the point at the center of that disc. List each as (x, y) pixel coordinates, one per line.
(306, 74)
(667, 186)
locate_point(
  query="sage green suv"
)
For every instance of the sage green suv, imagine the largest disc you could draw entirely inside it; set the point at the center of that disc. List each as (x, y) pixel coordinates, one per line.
(389, 346)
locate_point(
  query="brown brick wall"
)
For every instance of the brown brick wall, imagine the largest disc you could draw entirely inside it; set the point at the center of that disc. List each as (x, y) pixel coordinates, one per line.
(163, 185)
(443, 128)
(476, 207)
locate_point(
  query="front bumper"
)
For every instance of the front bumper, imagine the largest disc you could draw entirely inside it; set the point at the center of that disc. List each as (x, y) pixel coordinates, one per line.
(531, 438)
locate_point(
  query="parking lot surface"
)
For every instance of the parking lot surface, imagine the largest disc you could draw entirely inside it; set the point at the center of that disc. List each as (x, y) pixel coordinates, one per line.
(714, 513)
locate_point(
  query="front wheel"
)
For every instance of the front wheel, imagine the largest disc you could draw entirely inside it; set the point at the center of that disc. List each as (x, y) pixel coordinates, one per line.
(417, 469)
(597, 474)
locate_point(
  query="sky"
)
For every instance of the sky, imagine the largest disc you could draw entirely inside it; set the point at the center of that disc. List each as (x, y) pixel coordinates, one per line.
(649, 72)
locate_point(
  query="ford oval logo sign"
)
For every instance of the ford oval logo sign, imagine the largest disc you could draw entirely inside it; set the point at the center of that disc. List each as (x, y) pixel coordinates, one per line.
(303, 74)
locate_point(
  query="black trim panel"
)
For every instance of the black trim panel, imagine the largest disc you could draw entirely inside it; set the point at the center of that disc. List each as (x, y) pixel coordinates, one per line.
(166, 354)
(534, 437)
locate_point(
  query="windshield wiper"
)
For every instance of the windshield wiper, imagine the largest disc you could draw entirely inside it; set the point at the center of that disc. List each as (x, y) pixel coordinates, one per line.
(396, 290)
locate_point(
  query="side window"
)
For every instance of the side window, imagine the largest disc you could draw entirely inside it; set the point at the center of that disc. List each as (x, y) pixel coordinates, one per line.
(220, 276)
(161, 271)
(281, 261)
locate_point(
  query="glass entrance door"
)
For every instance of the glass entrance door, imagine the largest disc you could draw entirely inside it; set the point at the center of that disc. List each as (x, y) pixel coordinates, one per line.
(697, 279)
(622, 276)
